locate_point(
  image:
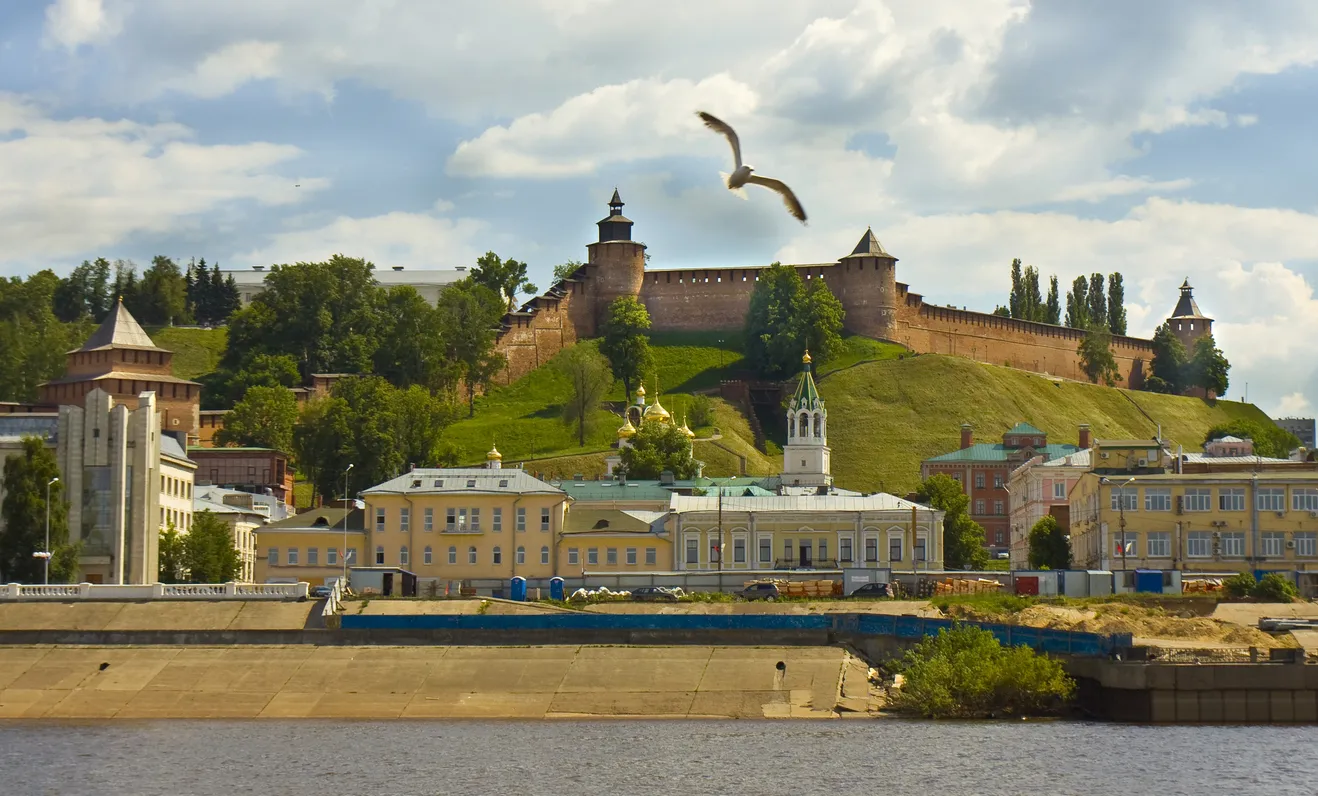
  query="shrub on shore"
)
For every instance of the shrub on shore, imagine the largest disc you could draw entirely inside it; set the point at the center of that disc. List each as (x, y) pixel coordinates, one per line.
(965, 673)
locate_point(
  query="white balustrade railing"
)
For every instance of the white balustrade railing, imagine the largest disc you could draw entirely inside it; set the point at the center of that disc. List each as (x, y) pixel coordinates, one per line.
(19, 592)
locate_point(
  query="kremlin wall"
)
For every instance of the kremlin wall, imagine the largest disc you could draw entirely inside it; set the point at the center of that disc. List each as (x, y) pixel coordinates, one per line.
(864, 281)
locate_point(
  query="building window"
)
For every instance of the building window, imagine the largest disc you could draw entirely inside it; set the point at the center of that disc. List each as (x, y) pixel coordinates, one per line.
(997, 480)
(544, 519)
(1059, 490)
(1272, 499)
(379, 556)
(998, 537)
(739, 551)
(692, 551)
(844, 549)
(405, 520)
(496, 522)
(611, 556)
(573, 556)
(428, 520)
(651, 556)
(1160, 544)
(428, 556)
(1274, 544)
(1157, 499)
(1233, 544)
(498, 555)
(894, 548)
(521, 519)
(352, 555)
(462, 520)
(292, 556)
(544, 555)
(788, 551)
(521, 554)
(1129, 540)
(453, 554)
(1125, 499)
(823, 549)
(920, 554)
(766, 550)
(1231, 499)
(715, 553)
(475, 519)
(1304, 499)
(471, 554)
(956, 477)
(592, 556)
(871, 549)
(1198, 499)
(450, 519)
(313, 557)
(631, 556)
(332, 556)
(979, 480)
(404, 557)
(997, 507)
(1306, 543)
(272, 557)
(979, 506)
(379, 520)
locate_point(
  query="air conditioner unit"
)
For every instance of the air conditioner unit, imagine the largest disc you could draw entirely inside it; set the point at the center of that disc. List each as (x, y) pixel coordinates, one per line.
(1103, 456)
(1144, 462)
(1217, 535)
(1313, 515)
(1290, 544)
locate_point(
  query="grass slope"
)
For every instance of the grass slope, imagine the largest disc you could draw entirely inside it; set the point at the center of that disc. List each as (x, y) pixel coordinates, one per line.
(196, 351)
(885, 417)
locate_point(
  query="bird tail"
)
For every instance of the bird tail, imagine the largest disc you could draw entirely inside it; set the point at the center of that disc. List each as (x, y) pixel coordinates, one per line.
(739, 192)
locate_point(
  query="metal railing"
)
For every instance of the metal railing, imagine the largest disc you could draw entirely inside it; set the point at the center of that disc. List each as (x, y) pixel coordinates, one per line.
(19, 592)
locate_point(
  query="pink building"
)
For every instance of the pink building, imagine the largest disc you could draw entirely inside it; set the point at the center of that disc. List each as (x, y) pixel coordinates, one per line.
(1039, 487)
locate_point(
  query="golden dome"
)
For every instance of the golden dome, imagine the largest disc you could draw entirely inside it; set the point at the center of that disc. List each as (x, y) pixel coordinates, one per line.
(626, 430)
(688, 432)
(493, 455)
(656, 411)
(640, 390)
(806, 359)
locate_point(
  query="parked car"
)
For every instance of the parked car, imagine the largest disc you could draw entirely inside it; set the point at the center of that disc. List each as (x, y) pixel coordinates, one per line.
(654, 594)
(760, 591)
(320, 592)
(874, 590)
(1004, 555)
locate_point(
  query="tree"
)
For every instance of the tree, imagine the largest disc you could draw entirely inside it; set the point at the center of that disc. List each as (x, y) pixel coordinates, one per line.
(371, 442)
(23, 530)
(1116, 304)
(321, 444)
(412, 345)
(419, 423)
(264, 418)
(1168, 364)
(657, 447)
(1077, 304)
(505, 277)
(208, 552)
(1097, 301)
(1032, 307)
(625, 341)
(171, 556)
(33, 341)
(126, 287)
(702, 412)
(785, 318)
(1017, 299)
(1001, 311)
(163, 294)
(1208, 367)
(1096, 358)
(1270, 440)
(963, 538)
(1049, 546)
(471, 313)
(588, 377)
(1052, 312)
(566, 270)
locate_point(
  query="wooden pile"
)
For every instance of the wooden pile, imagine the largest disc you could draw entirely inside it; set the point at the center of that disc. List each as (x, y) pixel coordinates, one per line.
(1204, 586)
(967, 586)
(803, 588)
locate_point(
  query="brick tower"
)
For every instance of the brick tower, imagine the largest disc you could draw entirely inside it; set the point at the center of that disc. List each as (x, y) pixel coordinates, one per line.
(619, 261)
(865, 281)
(1187, 322)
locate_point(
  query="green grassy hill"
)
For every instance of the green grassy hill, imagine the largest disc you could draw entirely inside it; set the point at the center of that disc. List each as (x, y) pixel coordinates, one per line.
(885, 417)
(196, 351)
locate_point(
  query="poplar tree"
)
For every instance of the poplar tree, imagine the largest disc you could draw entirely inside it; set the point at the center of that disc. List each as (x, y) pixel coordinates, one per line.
(1116, 304)
(1097, 313)
(1053, 311)
(1077, 304)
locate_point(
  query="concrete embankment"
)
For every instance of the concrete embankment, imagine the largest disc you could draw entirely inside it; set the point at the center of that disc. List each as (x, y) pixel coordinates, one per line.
(429, 681)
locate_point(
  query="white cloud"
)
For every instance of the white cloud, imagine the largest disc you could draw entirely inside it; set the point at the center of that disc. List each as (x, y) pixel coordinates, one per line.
(413, 240)
(78, 185)
(1294, 405)
(70, 23)
(225, 70)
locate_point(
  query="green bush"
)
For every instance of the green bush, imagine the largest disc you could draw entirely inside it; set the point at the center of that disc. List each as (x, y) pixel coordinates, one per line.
(982, 604)
(1240, 585)
(707, 597)
(1276, 589)
(965, 673)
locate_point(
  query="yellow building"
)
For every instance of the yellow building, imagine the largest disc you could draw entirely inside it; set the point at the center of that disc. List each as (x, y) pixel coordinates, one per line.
(1133, 510)
(309, 547)
(465, 524)
(597, 539)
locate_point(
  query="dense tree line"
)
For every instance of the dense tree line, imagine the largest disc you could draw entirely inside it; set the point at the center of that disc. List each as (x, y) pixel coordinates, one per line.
(23, 518)
(1089, 304)
(787, 316)
(1174, 370)
(33, 340)
(205, 554)
(164, 295)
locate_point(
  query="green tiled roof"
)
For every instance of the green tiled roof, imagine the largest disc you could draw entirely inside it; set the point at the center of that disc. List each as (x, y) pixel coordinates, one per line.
(612, 490)
(997, 452)
(1024, 428)
(806, 395)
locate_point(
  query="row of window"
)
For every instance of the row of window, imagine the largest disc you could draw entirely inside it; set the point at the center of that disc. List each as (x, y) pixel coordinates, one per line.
(175, 487)
(312, 558)
(998, 507)
(803, 551)
(1201, 499)
(456, 520)
(182, 520)
(611, 556)
(1207, 544)
(979, 479)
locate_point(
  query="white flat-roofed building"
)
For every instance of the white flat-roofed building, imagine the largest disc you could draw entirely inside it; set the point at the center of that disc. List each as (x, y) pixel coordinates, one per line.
(427, 281)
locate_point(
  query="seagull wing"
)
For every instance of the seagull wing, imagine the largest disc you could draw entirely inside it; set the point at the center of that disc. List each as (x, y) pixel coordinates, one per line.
(715, 123)
(789, 198)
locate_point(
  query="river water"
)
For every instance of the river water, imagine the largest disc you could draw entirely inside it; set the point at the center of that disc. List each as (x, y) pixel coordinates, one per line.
(637, 758)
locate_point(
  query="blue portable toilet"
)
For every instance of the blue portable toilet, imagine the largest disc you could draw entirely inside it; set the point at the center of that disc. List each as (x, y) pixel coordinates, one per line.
(557, 589)
(518, 588)
(1148, 580)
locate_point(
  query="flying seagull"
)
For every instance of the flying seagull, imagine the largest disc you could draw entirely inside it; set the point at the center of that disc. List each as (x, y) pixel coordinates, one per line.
(743, 173)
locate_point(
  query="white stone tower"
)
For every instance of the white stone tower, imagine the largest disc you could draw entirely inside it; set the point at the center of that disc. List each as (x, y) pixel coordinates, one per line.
(806, 457)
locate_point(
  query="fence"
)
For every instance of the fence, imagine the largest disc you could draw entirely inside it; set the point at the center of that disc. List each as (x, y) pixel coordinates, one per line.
(64, 592)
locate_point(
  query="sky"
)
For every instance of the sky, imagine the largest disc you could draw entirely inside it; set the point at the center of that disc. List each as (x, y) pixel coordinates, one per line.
(1165, 140)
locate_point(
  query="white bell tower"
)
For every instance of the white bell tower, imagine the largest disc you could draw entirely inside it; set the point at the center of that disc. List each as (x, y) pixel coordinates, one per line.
(806, 457)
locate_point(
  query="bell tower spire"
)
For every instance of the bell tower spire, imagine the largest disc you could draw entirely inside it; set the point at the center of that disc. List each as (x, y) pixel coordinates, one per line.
(806, 458)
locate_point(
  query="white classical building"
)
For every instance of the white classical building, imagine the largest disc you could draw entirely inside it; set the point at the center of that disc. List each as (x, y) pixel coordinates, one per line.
(428, 282)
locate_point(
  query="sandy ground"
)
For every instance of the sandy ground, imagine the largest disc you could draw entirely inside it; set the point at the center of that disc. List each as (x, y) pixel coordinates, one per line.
(890, 607)
(438, 682)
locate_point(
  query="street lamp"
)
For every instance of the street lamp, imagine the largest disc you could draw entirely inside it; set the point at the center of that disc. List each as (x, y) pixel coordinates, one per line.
(346, 511)
(1121, 511)
(46, 553)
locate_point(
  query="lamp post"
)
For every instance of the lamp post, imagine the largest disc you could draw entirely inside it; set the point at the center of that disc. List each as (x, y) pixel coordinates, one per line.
(46, 557)
(346, 511)
(1121, 512)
